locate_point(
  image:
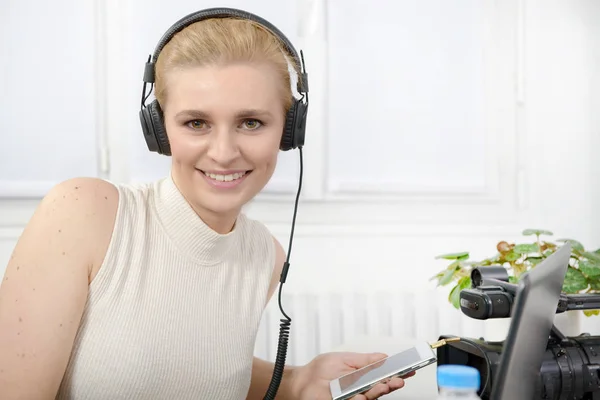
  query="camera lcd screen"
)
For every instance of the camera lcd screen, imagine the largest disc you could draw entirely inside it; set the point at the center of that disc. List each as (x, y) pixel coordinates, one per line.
(379, 370)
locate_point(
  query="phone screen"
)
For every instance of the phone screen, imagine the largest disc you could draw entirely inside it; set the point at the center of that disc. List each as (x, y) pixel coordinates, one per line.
(379, 370)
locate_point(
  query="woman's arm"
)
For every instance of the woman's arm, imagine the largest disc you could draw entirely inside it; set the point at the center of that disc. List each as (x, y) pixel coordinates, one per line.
(44, 289)
(262, 373)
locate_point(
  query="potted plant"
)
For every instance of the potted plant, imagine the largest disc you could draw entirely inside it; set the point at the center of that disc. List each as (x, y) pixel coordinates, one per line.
(583, 273)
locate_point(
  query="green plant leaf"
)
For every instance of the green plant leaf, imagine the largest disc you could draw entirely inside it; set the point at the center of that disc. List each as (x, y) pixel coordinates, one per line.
(535, 260)
(513, 279)
(548, 253)
(487, 262)
(589, 268)
(464, 255)
(465, 282)
(538, 232)
(449, 274)
(589, 313)
(575, 281)
(512, 256)
(454, 296)
(436, 276)
(597, 251)
(594, 284)
(526, 248)
(495, 258)
(575, 245)
(591, 256)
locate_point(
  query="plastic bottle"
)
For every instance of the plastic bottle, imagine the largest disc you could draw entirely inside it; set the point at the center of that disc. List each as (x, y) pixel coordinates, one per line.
(458, 382)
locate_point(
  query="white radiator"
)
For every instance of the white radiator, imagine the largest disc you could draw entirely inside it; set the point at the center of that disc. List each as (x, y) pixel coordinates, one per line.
(324, 322)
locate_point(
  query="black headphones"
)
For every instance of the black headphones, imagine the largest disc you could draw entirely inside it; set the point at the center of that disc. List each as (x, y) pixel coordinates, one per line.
(151, 116)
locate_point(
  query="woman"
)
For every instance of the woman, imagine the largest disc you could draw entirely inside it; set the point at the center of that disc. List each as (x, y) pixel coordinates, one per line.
(156, 291)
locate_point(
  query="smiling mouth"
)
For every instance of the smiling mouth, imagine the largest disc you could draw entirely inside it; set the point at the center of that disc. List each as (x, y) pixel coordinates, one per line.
(226, 178)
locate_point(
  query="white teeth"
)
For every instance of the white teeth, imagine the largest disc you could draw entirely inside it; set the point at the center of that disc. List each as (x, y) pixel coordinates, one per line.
(225, 178)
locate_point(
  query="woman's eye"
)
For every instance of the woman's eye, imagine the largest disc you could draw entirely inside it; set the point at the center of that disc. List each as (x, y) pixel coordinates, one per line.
(197, 124)
(252, 124)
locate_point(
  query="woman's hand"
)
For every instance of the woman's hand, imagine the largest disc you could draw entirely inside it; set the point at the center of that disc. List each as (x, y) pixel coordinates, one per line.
(311, 382)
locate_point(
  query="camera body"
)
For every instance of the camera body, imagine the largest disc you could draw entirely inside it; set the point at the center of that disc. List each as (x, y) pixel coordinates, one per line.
(570, 369)
(571, 366)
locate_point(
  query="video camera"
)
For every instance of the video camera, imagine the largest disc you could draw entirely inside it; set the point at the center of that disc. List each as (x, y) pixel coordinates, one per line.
(571, 366)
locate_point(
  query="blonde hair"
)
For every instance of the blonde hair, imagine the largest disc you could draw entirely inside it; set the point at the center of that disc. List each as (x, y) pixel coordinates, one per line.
(219, 41)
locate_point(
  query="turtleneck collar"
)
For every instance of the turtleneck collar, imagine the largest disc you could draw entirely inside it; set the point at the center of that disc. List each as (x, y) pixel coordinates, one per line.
(187, 229)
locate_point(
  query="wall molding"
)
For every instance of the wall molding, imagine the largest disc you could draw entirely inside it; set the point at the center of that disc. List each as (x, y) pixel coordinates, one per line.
(397, 230)
(520, 86)
(25, 189)
(426, 211)
(118, 108)
(10, 233)
(501, 136)
(361, 230)
(397, 189)
(35, 188)
(351, 218)
(100, 87)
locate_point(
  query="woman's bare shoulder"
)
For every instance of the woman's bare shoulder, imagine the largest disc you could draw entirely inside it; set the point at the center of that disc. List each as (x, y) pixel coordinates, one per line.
(45, 286)
(88, 207)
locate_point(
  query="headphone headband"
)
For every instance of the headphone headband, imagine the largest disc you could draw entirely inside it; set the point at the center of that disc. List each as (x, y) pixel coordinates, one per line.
(224, 12)
(151, 115)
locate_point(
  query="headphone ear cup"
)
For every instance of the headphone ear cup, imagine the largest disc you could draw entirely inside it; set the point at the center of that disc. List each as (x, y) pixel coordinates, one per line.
(158, 129)
(295, 127)
(287, 139)
(148, 130)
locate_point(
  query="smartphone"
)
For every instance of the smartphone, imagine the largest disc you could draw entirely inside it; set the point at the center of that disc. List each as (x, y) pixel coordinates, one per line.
(365, 378)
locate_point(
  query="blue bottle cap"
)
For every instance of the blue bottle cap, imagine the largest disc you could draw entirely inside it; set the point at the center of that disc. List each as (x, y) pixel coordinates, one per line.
(458, 376)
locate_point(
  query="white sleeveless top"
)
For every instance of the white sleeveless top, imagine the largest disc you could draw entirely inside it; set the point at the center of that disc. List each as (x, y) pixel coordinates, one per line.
(174, 310)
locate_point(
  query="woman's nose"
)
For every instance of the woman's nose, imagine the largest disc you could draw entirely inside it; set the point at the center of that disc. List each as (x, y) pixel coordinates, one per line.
(223, 148)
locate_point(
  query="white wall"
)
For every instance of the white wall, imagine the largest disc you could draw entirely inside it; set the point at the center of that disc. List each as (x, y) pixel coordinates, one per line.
(481, 116)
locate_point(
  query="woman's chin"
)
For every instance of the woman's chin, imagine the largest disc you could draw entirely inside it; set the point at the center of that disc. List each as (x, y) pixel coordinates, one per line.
(219, 202)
